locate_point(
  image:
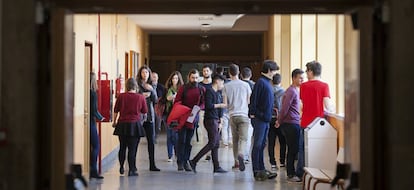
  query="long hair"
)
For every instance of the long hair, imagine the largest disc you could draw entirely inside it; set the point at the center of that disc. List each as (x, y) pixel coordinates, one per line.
(169, 84)
(139, 76)
(94, 84)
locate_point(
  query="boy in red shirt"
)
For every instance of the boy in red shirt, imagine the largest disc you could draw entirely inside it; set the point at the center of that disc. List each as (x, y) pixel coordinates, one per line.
(315, 100)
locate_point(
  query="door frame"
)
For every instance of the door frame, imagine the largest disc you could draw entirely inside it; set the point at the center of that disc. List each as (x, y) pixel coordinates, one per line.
(63, 50)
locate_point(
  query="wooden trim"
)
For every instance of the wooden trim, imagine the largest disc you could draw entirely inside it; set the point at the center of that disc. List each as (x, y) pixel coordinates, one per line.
(62, 98)
(209, 6)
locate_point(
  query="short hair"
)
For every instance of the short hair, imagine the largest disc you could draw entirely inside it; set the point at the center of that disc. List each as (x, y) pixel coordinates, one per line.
(219, 70)
(269, 65)
(315, 67)
(192, 71)
(217, 77)
(246, 72)
(131, 84)
(296, 72)
(277, 78)
(206, 66)
(234, 69)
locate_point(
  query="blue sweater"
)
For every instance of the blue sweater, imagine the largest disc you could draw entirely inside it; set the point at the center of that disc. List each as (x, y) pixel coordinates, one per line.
(261, 100)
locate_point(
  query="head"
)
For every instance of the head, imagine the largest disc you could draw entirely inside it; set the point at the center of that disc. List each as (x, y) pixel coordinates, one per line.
(218, 81)
(131, 84)
(94, 84)
(144, 74)
(206, 71)
(193, 77)
(175, 78)
(234, 70)
(154, 77)
(246, 73)
(313, 69)
(297, 77)
(277, 78)
(220, 70)
(269, 68)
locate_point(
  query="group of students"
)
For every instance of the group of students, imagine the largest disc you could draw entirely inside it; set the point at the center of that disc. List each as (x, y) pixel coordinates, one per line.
(253, 110)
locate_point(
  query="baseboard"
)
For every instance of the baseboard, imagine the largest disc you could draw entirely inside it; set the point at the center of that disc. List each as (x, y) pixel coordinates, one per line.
(109, 160)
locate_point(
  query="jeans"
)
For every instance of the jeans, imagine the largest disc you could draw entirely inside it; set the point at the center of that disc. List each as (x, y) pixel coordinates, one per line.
(260, 130)
(273, 133)
(132, 144)
(211, 126)
(171, 141)
(183, 146)
(94, 138)
(226, 134)
(301, 155)
(292, 133)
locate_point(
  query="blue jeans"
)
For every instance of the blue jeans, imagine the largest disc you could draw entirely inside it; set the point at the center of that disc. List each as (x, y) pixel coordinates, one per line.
(260, 130)
(301, 156)
(171, 140)
(94, 138)
(183, 146)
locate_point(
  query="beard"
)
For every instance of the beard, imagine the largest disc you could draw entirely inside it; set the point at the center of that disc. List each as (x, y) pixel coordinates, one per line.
(193, 84)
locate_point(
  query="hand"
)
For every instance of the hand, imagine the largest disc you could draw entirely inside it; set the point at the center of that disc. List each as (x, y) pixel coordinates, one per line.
(252, 116)
(114, 124)
(277, 124)
(103, 118)
(146, 94)
(148, 87)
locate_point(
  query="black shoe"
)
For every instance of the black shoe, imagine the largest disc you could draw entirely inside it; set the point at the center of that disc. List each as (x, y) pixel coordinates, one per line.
(180, 167)
(132, 173)
(187, 167)
(242, 167)
(121, 170)
(193, 166)
(154, 169)
(208, 157)
(271, 175)
(96, 176)
(260, 176)
(219, 170)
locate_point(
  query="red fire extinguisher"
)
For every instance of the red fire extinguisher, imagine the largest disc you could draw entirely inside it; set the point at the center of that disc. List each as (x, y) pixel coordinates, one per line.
(119, 86)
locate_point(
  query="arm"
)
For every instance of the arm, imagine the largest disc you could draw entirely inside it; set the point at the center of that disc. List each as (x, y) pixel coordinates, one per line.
(328, 105)
(95, 113)
(153, 95)
(327, 102)
(115, 119)
(170, 96)
(178, 97)
(209, 101)
(116, 110)
(286, 102)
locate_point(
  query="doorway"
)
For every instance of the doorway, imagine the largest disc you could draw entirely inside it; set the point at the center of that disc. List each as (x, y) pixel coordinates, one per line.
(232, 10)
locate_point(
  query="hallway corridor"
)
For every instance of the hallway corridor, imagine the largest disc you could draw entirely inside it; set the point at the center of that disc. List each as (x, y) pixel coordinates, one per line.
(171, 179)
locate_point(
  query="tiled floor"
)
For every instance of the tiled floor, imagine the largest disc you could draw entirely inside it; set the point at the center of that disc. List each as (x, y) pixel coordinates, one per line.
(171, 179)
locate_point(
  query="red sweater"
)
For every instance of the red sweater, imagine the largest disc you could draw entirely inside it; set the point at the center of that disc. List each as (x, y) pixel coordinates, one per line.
(130, 106)
(192, 96)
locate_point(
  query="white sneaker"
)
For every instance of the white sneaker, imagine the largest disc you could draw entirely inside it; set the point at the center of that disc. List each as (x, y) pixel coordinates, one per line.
(169, 160)
(294, 179)
(274, 168)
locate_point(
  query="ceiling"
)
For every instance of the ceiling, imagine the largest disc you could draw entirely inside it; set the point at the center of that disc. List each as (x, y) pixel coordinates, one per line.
(200, 23)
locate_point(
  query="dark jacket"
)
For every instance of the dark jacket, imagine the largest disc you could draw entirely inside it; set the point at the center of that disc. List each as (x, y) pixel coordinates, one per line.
(261, 100)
